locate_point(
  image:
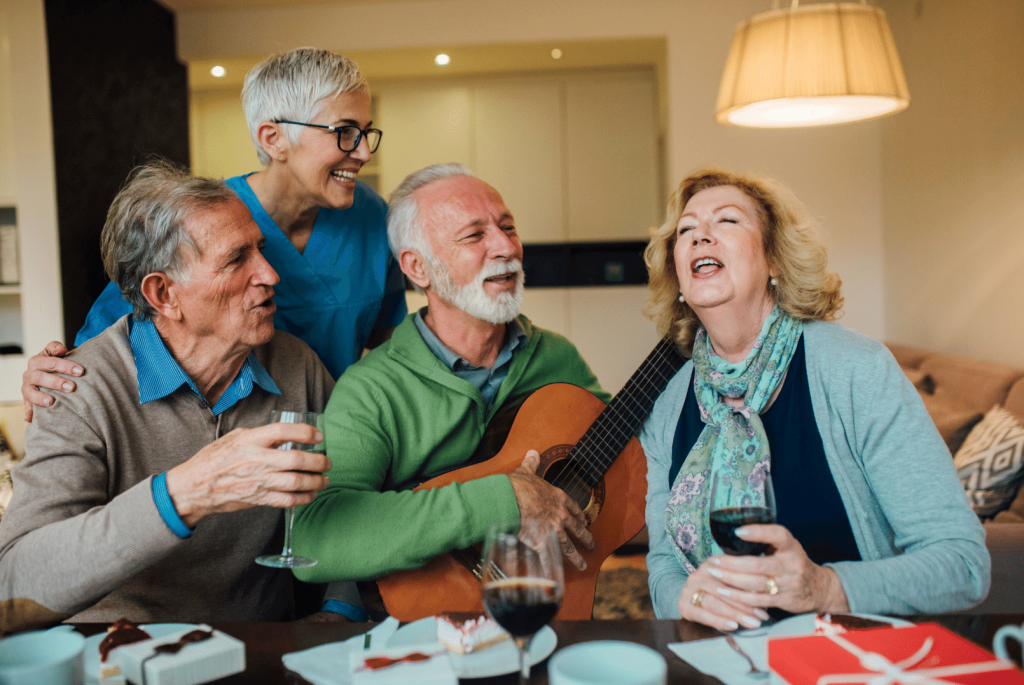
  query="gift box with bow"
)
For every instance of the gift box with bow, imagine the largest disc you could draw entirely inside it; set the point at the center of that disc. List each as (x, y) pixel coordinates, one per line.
(925, 654)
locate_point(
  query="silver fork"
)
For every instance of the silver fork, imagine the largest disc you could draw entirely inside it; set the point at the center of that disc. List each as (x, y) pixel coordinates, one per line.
(755, 672)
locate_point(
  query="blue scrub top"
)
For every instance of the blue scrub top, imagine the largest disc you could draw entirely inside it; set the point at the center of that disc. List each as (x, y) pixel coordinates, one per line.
(341, 288)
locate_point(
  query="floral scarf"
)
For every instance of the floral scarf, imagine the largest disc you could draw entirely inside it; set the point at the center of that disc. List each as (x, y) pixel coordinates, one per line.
(733, 438)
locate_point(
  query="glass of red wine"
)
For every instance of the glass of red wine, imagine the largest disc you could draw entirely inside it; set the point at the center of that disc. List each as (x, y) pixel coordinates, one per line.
(523, 582)
(727, 514)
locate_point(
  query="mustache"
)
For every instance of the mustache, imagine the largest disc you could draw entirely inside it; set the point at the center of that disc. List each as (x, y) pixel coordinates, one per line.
(499, 269)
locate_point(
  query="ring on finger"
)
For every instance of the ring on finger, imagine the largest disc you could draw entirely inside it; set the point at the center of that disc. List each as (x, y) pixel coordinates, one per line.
(697, 598)
(770, 586)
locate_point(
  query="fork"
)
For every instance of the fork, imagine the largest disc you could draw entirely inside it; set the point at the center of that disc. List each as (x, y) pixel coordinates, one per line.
(755, 672)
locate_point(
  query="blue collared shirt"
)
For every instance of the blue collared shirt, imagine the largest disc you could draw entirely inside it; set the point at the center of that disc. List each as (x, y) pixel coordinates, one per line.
(159, 375)
(487, 380)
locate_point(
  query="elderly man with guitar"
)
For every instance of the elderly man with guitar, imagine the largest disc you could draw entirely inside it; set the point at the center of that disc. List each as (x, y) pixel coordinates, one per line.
(414, 478)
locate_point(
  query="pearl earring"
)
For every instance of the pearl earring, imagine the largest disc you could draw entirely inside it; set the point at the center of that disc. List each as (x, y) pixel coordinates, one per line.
(681, 298)
(774, 281)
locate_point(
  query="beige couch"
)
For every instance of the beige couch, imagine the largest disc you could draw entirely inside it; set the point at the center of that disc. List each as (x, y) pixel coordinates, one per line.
(958, 391)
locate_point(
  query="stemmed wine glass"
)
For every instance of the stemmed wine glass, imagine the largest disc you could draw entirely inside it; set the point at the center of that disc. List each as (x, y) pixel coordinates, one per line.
(286, 559)
(523, 582)
(727, 514)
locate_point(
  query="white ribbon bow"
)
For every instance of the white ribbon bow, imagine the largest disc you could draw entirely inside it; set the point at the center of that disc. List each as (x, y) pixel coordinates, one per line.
(885, 672)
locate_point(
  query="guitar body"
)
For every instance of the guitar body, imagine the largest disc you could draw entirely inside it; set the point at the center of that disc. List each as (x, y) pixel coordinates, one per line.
(550, 421)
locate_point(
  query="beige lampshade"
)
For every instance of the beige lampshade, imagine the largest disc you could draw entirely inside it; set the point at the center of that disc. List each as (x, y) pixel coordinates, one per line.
(812, 65)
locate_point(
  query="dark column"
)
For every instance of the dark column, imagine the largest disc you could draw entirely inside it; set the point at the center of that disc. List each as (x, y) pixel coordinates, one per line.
(119, 96)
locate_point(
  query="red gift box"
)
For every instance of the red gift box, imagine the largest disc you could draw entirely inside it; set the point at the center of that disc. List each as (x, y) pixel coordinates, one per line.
(925, 654)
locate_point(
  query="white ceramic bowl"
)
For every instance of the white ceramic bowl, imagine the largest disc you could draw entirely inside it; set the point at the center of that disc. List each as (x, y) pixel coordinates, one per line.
(607, 662)
(52, 657)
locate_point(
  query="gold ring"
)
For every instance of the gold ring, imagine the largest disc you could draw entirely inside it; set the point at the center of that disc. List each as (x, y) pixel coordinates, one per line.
(770, 586)
(697, 598)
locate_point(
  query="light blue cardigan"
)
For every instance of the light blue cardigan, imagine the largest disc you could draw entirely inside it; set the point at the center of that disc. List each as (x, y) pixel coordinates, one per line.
(922, 548)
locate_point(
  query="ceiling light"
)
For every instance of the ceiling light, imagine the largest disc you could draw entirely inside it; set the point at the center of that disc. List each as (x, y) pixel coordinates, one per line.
(812, 65)
(556, 54)
(218, 71)
(442, 60)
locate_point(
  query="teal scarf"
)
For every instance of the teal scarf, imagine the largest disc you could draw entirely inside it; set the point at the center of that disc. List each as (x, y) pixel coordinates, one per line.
(733, 438)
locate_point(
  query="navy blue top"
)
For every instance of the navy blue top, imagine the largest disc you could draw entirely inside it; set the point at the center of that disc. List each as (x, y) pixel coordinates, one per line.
(806, 496)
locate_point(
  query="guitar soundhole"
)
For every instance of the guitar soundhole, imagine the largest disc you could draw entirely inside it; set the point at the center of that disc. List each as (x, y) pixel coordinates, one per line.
(562, 473)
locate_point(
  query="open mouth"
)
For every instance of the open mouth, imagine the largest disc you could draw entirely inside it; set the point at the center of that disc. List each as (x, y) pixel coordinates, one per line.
(502, 279)
(344, 175)
(706, 265)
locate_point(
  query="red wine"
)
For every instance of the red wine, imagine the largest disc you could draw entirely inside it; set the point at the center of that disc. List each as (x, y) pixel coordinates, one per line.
(724, 523)
(522, 606)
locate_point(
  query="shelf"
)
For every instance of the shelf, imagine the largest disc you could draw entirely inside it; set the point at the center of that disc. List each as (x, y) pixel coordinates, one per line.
(10, 289)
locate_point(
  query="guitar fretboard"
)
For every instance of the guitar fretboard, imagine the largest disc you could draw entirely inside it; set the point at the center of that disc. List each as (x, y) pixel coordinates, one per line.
(595, 452)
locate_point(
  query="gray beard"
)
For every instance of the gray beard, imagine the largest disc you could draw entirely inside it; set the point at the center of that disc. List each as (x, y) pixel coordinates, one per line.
(473, 299)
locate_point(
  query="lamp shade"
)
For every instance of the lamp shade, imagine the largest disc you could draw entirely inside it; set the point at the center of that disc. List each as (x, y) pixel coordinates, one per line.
(812, 65)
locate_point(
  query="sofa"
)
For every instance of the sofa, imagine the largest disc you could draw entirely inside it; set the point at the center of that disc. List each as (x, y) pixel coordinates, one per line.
(958, 392)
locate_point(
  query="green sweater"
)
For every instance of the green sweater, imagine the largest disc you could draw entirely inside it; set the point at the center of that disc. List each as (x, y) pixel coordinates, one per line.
(399, 417)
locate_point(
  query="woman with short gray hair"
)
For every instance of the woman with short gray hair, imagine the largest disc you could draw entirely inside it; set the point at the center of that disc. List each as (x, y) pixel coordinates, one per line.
(341, 291)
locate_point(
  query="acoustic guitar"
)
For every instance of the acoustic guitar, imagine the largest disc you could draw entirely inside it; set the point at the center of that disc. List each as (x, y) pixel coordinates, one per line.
(588, 450)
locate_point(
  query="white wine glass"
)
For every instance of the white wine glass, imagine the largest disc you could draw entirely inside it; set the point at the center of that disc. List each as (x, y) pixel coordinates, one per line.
(727, 514)
(287, 559)
(523, 582)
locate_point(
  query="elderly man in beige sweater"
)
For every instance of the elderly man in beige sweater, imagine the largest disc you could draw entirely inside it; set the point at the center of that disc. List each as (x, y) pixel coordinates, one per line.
(149, 492)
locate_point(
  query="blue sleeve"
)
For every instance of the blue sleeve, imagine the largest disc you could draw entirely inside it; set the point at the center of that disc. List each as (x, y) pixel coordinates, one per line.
(393, 309)
(165, 506)
(108, 308)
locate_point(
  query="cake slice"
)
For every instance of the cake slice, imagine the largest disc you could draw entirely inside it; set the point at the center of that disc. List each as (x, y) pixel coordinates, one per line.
(836, 624)
(123, 632)
(468, 631)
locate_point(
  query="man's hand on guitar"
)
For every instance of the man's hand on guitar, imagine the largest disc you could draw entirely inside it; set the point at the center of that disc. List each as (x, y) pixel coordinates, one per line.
(538, 499)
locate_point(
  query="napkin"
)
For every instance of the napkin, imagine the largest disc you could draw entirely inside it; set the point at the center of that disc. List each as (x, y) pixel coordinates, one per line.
(716, 658)
(329, 664)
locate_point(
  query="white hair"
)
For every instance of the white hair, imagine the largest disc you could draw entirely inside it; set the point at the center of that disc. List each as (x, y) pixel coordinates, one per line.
(294, 85)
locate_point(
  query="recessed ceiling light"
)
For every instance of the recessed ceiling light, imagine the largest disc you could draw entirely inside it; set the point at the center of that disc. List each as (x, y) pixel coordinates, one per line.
(218, 71)
(556, 54)
(442, 60)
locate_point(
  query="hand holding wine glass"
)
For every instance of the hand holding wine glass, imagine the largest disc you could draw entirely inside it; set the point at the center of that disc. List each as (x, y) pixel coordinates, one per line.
(523, 582)
(287, 559)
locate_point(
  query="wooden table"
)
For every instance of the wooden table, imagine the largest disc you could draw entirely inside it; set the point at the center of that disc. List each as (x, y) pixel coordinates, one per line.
(267, 642)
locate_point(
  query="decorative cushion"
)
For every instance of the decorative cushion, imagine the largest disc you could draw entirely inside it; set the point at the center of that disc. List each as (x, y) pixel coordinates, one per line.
(7, 462)
(954, 421)
(990, 465)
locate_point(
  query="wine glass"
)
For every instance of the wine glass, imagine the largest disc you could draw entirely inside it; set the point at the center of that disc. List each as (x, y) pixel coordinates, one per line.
(727, 514)
(523, 582)
(286, 559)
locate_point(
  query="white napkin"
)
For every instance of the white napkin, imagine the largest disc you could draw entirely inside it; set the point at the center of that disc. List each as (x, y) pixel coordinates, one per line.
(715, 657)
(329, 664)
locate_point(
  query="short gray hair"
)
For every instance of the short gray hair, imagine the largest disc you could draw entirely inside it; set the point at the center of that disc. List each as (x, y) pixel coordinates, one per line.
(145, 230)
(293, 85)
(404, 229)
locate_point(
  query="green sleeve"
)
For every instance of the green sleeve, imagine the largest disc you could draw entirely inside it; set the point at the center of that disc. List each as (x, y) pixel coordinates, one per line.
(353, 529)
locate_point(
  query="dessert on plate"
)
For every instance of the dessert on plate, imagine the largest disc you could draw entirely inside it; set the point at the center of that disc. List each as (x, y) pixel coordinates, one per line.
(468, 631)
(122, 632)
(836, 624)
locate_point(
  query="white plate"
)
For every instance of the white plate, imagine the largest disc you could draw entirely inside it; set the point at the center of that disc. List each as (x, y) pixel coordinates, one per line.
(498, 659)
(804, 624)
(92, 645)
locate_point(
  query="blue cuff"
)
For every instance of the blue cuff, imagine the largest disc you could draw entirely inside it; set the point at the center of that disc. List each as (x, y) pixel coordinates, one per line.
(165, 506)
(347, 610)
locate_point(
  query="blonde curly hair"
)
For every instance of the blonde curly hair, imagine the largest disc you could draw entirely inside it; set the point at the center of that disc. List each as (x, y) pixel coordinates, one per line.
(805, 287)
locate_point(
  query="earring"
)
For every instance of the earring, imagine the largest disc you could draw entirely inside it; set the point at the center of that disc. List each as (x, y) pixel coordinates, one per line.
(774, 281)
(681, 298)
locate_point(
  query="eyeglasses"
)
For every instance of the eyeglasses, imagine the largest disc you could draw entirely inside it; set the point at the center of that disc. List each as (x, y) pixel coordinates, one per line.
(349, 137)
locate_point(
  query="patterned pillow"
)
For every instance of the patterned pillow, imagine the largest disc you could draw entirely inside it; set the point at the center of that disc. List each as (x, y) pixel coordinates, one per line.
(7, 462)
(990, 464)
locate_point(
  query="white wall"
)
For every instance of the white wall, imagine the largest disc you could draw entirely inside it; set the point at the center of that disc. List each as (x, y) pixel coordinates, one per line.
(954, 180)
(836, 171)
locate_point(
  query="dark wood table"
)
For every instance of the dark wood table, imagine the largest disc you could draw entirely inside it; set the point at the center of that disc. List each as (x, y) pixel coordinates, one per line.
(267, 642)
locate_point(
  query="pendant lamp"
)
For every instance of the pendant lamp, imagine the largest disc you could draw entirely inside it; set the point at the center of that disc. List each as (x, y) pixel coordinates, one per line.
(812, 65)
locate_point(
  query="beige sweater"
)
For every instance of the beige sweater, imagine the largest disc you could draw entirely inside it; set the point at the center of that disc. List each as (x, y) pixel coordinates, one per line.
(83, 538)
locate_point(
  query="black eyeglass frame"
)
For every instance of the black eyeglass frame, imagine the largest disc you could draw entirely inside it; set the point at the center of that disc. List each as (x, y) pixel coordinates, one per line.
(338, 129)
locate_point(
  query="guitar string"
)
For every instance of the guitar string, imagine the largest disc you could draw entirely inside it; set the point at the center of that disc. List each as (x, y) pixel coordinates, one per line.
(656, 371)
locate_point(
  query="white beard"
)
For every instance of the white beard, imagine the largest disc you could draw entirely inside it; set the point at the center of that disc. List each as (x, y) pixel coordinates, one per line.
(473, 299)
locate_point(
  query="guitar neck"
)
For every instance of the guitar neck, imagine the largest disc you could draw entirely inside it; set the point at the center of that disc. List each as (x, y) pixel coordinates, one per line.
(595, 452)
